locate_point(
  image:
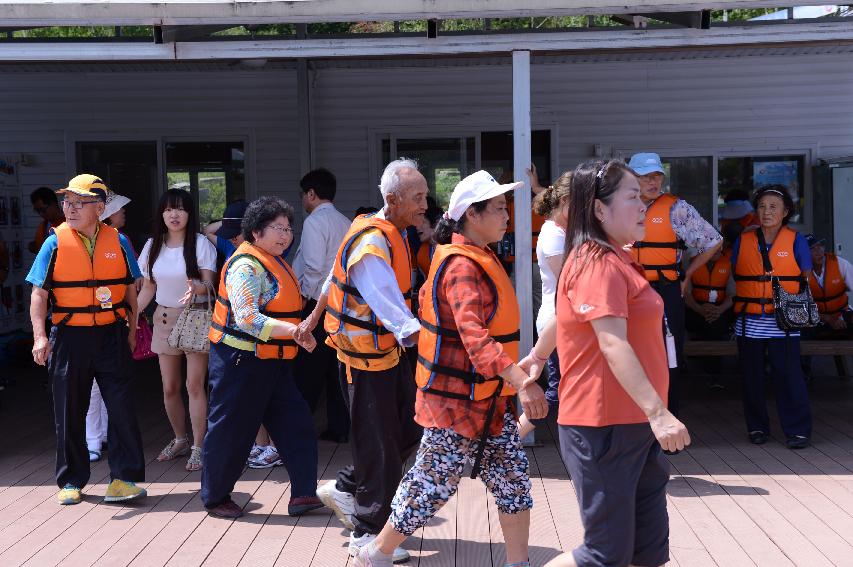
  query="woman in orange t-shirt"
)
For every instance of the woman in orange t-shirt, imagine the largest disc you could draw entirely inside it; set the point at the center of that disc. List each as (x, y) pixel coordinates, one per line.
(612, 417)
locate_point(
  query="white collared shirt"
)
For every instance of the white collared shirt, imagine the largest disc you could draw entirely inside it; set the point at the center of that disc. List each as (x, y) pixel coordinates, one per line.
(322, 233)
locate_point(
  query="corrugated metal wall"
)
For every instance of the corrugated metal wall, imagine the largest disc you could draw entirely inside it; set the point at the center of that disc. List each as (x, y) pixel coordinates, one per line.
(743, 100)
(43, 111)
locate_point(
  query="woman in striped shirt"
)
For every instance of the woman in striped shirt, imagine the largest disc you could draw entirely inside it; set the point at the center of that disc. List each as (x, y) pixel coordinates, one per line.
(755, 324)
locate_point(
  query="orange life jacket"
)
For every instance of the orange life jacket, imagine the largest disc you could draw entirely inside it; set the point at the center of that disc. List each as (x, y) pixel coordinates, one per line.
(658, 251)
(286, 305)
(710, 278)
(348, 315)
(754, 291)
(507, 245)
(832, 297)
(87, 291)
(502, 326)
(424, 258)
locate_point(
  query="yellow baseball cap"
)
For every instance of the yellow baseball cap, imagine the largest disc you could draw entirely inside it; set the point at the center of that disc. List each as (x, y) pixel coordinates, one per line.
(87, 185)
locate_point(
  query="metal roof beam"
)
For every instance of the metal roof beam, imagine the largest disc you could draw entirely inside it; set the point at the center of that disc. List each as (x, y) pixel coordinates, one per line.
(620, 39)
(237, 12)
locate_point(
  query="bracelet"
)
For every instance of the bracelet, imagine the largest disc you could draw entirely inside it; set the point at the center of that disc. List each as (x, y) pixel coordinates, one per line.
(536, 357)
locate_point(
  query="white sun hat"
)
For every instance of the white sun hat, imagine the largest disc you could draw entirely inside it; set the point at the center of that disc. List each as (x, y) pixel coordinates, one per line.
(479, 186)
(113, 203)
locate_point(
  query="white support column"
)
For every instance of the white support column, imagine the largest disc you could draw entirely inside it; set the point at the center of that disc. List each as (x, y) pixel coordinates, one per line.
(521, 161)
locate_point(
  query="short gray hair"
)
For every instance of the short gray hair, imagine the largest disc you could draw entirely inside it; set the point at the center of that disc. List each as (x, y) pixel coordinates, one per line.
(390, 182)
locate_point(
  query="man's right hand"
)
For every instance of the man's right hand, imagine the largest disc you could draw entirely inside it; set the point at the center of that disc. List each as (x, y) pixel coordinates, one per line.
(669, 431)
(41, 350)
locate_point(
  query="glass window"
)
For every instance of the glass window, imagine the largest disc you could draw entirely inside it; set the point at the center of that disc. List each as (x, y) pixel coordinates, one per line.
(497, 156)
(443, 161)
(690, 179)
(749, 173)
(214, 172)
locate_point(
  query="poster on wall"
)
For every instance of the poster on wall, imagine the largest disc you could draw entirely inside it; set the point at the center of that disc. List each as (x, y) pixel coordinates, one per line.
(5, 301)
(785, 173)
(4, 212)
(17, 256)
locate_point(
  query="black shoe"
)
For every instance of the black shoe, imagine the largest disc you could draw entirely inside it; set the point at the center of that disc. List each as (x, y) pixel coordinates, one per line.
(757, 437)
(330, 435)
(797, 442)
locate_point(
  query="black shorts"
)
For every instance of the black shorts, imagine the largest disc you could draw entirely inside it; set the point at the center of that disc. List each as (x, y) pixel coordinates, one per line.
(620, 475)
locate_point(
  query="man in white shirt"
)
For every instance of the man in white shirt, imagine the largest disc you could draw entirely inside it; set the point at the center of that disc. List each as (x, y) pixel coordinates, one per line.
(322, 233)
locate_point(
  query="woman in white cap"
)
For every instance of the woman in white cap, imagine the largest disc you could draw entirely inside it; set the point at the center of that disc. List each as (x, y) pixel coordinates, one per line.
(467, 378)
(96, 417)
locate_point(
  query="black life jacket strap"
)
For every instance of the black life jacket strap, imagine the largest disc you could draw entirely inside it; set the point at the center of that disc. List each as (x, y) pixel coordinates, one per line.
(355, 322)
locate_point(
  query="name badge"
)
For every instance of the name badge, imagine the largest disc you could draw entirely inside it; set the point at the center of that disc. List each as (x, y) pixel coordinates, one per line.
(105, 296)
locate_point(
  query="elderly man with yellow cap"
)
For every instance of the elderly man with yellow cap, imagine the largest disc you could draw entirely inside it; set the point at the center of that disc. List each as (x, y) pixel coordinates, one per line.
(85, 273)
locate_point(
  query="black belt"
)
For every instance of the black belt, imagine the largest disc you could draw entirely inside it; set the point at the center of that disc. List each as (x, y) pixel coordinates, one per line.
(91, 283)
(454, 334)
(677, 245)
(274, 314)
(238, 334)
(346, 288)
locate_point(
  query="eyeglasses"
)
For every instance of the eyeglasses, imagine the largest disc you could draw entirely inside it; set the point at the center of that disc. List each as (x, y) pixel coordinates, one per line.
(281, 229)
(76, 205)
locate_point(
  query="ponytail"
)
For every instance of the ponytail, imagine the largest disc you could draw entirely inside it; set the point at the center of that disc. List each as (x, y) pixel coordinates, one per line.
(549, 200)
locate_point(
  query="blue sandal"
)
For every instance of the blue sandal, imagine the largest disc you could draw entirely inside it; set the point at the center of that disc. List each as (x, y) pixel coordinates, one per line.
(94, 456)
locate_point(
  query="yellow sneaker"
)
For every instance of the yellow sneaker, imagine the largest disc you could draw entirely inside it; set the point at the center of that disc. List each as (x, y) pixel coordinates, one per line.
(69, 494)
(121, 490)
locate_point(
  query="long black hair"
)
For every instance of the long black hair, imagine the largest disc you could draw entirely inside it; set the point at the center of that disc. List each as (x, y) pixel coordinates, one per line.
(175, 199)
(585, 235)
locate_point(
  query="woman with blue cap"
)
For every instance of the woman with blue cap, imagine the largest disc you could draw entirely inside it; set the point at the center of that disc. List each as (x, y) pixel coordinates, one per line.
(672, 226)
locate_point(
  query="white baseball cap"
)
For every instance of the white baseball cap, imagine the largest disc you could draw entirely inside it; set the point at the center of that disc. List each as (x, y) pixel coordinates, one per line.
(112, 204)
(479, 186)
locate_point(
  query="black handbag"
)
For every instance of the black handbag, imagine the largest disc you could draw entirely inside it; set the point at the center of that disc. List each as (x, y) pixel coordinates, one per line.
(793, 311)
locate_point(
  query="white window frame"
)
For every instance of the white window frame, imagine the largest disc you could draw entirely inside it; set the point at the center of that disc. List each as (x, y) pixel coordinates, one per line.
(247, 138)
(375, 136)
(807, 152)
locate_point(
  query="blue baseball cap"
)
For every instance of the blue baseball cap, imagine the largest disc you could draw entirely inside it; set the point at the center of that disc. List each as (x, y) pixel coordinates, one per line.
(645, 163)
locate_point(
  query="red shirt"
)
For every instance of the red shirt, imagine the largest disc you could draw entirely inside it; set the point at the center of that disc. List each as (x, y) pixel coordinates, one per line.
(614, 286)
(465, 298)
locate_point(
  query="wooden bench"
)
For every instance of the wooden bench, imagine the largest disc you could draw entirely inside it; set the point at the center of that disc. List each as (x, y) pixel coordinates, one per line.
(836, 349)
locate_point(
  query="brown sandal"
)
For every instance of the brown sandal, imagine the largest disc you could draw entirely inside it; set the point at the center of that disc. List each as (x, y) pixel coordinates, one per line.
(176, 448)
(194, 462)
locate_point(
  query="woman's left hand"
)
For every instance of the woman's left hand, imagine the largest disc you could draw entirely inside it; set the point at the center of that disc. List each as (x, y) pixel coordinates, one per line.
(193, 288)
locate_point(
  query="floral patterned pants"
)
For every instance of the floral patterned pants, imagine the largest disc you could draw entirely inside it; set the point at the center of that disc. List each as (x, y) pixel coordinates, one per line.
(433, 479)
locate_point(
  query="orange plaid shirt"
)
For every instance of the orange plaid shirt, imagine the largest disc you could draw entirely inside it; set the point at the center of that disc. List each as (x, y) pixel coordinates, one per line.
(465, 298)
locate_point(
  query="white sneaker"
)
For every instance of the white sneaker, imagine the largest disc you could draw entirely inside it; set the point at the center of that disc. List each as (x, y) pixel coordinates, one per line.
(341, 503)
(255, 452)
(362, 559)
(267, 459)
(357, 544)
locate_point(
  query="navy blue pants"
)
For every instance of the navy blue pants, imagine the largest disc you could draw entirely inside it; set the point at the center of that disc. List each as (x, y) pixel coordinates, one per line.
(246, 391)
(78, 354)
(673, 306)
(620, 476)
(792, 397)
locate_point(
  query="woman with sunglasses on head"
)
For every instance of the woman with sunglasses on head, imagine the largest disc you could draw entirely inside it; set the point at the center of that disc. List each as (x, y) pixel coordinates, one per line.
(258, 307)
(177, 264)
(613, 420)
(755, 323)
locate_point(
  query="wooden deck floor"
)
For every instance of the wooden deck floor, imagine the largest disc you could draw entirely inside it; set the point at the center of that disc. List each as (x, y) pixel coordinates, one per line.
(730, 503)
